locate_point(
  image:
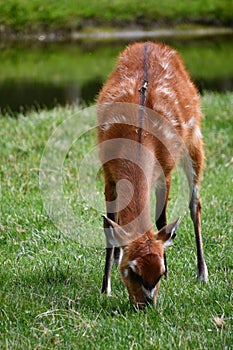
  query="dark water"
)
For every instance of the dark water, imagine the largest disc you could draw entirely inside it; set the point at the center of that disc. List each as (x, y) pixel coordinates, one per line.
(46, 75)
(23, 95)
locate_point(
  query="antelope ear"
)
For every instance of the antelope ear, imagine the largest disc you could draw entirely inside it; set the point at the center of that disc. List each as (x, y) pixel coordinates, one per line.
(116, 236)
(168, 233)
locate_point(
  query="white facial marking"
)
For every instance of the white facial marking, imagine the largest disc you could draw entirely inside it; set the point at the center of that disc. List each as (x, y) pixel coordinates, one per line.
(149, 293)
(133, 264)
(126, 272)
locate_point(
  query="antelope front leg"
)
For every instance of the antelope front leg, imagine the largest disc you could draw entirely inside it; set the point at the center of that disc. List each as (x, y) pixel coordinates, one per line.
(110, 205)
(110, 253)
(162, 192)
(195, 211)
(193, 168)
(106, 284)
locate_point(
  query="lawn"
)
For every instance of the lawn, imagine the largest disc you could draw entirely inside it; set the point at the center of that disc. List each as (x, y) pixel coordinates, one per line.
(51, 269)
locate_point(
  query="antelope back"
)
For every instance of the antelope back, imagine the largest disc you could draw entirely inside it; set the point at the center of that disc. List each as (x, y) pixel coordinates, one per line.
(170, 91)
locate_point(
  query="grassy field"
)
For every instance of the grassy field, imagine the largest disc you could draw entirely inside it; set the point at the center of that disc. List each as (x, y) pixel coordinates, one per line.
(50, 281)
(40, 14)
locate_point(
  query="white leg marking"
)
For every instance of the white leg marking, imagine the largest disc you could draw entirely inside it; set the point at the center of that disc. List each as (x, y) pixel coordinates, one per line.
(204, 276)
(109, 286)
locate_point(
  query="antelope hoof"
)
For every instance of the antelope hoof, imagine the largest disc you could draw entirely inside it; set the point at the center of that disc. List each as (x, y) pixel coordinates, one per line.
(203, 274)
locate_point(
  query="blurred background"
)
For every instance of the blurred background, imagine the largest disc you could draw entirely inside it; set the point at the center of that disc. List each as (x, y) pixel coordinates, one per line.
(59, 53)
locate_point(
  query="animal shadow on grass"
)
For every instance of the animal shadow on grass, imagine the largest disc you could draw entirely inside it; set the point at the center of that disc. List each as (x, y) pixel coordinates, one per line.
(69, 288)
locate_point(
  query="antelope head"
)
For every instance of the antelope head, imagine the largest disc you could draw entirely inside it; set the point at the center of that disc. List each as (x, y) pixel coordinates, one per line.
(143, 260)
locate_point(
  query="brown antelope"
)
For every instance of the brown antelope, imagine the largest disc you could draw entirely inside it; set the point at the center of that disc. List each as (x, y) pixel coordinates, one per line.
(148, 118)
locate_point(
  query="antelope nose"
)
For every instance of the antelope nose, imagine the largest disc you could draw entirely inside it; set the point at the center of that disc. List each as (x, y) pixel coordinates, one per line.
(149, 293)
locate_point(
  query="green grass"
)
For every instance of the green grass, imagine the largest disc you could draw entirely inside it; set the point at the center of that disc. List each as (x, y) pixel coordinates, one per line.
(40, 14)
(50, 281)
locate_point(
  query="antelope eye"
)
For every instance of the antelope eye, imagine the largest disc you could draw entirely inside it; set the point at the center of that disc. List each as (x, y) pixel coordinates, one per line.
(148, 286)
(134, 276)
